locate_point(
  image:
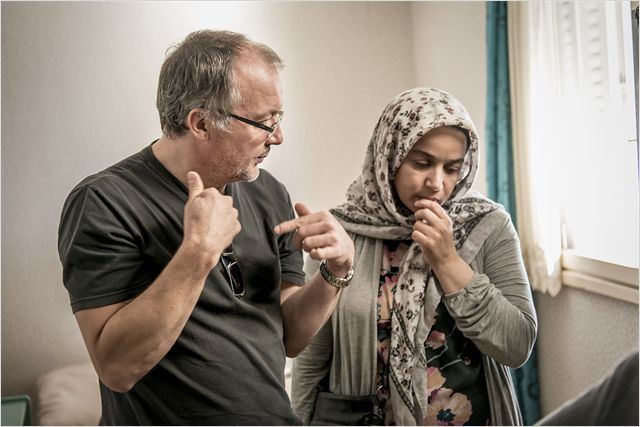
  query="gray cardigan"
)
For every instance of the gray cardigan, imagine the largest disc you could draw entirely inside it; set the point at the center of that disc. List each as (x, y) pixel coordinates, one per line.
(495, 311)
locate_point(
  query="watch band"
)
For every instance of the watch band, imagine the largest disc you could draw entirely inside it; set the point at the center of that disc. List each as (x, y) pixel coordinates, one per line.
(333, 280)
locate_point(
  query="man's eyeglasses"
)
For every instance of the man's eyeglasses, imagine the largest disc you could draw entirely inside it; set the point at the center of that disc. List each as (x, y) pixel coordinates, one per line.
(271, 129)
(232, 270)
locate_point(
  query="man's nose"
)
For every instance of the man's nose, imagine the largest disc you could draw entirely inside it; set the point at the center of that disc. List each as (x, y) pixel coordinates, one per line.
(276, 138)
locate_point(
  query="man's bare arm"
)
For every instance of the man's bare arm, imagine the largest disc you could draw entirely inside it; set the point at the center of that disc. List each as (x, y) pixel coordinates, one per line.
(126, 340)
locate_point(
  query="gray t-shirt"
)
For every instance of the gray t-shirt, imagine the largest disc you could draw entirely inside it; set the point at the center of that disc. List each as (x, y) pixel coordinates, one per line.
(119, 228)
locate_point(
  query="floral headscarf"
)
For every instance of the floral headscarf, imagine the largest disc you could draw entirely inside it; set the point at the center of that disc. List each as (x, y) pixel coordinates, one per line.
(372, 210)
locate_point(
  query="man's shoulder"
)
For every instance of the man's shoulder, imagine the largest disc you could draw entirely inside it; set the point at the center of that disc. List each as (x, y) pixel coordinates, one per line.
(115, 185)
(111, 175)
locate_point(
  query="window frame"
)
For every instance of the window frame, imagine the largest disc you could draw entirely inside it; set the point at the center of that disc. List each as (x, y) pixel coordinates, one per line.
(600, 277)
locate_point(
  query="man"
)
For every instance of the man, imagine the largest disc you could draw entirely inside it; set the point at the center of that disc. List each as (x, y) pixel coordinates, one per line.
(181, 260)
(611, 402)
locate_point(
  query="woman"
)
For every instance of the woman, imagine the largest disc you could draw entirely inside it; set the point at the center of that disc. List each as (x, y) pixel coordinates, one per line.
(440, 303)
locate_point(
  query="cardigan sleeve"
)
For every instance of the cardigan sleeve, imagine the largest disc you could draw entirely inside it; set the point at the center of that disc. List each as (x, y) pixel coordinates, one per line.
(309, 370)
(495, 310)
(312, 365)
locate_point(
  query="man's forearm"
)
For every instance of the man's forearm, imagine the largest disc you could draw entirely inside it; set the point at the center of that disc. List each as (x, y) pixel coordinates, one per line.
(306, 311)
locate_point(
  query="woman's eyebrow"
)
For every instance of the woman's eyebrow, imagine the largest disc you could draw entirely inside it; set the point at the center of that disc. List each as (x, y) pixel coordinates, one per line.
(431, 156)
(456, 161)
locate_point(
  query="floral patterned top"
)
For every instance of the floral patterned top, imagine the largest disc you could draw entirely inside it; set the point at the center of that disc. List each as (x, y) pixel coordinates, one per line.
(455, 376)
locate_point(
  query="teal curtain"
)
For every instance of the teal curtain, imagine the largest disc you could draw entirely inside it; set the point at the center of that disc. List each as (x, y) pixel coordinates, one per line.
(500, 180)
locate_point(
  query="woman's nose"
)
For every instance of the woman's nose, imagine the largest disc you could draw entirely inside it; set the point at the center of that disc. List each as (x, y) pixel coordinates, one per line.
(435, 180)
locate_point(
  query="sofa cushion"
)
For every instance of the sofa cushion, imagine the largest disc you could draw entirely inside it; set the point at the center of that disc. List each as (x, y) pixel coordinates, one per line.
(68, 395)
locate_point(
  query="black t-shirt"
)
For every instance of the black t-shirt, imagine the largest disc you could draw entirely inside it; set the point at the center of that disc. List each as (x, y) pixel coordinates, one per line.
(120, 228)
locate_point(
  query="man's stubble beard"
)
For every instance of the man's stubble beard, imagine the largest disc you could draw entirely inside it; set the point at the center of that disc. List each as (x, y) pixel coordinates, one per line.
(250, 176)
(246, 173)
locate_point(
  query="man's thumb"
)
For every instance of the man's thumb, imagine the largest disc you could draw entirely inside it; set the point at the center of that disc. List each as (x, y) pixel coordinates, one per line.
(195, 184)
(302, 209)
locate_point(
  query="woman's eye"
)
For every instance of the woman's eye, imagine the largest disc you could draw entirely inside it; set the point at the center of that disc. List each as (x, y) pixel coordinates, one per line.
(453, 170)
(423, 164)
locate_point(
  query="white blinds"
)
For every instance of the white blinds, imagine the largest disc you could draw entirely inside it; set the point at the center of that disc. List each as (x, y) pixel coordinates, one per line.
(594, 57)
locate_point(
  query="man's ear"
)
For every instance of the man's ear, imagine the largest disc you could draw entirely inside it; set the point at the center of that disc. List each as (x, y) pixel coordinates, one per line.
(199, 126)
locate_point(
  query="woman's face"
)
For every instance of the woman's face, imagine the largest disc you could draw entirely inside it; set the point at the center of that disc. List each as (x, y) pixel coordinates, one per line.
(432, 167)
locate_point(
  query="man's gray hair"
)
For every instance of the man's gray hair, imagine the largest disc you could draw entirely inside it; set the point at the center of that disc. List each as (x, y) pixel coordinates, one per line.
(198, 73)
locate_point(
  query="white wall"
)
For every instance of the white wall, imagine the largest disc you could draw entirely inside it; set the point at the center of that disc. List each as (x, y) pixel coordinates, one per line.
(450, 52)
(78, 94)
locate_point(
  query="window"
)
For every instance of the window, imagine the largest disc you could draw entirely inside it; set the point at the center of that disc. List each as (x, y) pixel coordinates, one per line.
(596, 67)
(582, 138)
